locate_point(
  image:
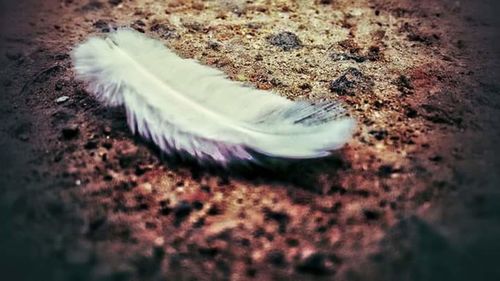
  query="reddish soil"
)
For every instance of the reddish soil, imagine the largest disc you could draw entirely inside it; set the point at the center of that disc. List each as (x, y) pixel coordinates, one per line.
(414, 195)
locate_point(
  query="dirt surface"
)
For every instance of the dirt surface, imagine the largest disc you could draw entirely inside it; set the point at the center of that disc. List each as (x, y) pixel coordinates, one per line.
(414, 195)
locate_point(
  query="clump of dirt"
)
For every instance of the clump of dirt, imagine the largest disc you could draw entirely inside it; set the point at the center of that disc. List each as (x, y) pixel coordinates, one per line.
(86, 200)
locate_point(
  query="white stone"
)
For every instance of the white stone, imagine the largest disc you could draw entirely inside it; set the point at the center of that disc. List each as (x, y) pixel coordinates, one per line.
(62, 99)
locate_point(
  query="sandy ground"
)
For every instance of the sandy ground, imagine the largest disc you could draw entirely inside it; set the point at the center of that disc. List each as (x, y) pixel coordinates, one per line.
(414, 195)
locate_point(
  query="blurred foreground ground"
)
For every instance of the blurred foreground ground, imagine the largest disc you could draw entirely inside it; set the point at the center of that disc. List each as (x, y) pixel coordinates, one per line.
(414, 196)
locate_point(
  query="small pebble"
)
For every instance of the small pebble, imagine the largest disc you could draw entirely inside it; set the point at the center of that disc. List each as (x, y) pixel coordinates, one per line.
(70, 132)
(62, 99)
(182, 211)
(285, 40)
(347, 83)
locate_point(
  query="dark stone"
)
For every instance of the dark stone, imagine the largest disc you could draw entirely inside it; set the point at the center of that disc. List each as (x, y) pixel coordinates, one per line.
(205, 188)
(214, 45)
(197, 205)
(315, 264)
(164, 31)
(199, 223)
(374, 53)
(436, 158)
(107, 145)
(404, 84)
(276, 258)
(138, 25)
(285, 40)
(182, 211)
(348, 82)
(141, 169)
(126, 161)
(251, 272)
(209, 252)
(338, 189)
(379, 134)
(423, 38)
(292, 242)
(260, 232)
(150, 225)
(321, 229)
(416, 35)
(245, 242)
(102, 25)
(305, 87)
(106, 130)
(371, 214)
(126, 186)
(223, 180)
(158, 253)
(115, 2)
(196, 27)
(61, 56)
(90, 145)
(222, 267)
(95, 224)
(378, 104)
(411, 112)
(142, 207)
(281, 218)
(385, 170)
(164, 203)
(214, 211)
(59, 85)
(165, 211)
(70, 132)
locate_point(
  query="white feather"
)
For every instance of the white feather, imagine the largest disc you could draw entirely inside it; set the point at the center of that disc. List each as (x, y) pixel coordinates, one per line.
(183, 106)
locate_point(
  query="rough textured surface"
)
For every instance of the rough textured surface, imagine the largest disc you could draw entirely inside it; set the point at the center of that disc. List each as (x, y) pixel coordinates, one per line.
(414, 195)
